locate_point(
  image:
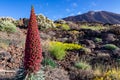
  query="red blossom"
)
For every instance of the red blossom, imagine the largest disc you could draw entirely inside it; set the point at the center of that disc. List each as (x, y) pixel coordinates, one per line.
(33, 50)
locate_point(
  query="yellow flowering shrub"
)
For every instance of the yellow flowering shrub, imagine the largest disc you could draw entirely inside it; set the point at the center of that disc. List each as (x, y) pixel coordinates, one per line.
(58, 49)
(67, 46)
(109, 75)
(71, 46)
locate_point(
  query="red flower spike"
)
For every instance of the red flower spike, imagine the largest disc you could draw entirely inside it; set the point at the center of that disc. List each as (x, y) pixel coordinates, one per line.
(33, 50)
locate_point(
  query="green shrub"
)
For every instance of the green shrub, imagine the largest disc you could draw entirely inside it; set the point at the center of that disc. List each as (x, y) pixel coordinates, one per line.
(110, 46)
(82, 65)
(39, 76)
(93, 27)
(58, 49)
(49, 62)
(118, 60)
(57, 24)
(63, 26)
(98, 40)
(9, 19)
(7, 26)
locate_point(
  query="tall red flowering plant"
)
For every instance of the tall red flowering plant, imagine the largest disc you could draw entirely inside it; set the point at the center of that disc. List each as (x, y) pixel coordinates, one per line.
(33, 50)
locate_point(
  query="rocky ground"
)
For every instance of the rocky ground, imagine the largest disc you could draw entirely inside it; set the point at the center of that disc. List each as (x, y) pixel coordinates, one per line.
(12, 52)
(96, 54)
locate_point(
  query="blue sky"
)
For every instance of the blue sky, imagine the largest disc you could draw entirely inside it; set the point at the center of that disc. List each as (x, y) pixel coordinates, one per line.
(55, 9)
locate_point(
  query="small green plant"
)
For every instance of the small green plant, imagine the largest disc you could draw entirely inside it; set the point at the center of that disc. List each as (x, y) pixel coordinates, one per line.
(58, 49)
(86, 50)
(38, 76)
(98, 40)
(21, 75)
(118, 60)
(110, 46)
(49, 62)
(82, 65)
(7, 26)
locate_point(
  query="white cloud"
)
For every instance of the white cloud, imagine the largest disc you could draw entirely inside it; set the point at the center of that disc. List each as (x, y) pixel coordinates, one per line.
(93, 4)
(72, 14)
(54, 17)
(74, 4)
(97, 10)
(68, 10)
(79, 13)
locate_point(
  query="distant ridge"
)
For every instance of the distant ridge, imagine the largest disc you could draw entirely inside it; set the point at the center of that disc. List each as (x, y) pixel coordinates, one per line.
(96, 16)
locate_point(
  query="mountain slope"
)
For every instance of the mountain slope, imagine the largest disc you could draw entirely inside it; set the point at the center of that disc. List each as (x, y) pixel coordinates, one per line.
(100, 16)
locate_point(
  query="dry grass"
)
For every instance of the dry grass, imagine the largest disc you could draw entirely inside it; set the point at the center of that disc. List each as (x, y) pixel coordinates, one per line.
(93, 27)
(4, 46)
